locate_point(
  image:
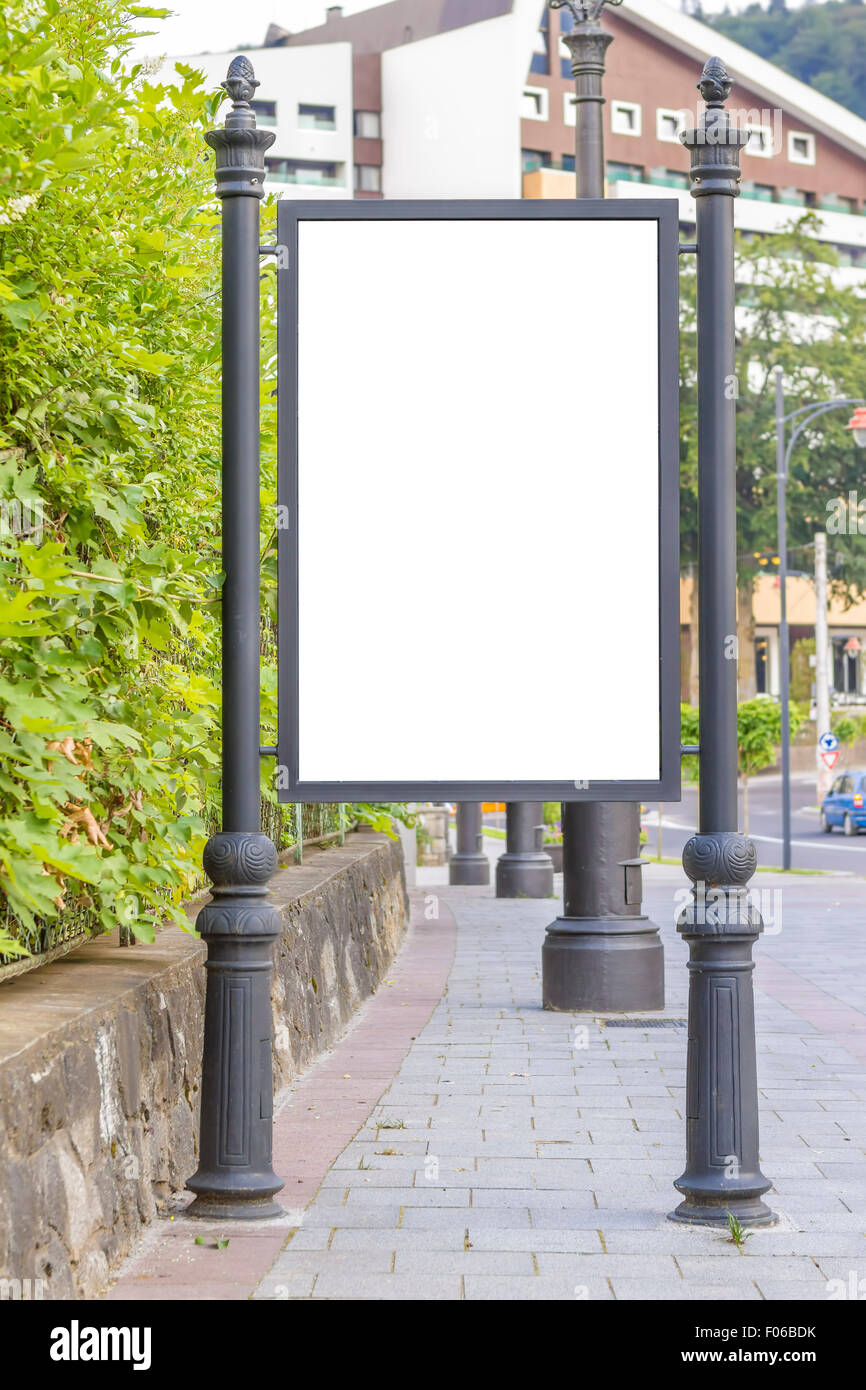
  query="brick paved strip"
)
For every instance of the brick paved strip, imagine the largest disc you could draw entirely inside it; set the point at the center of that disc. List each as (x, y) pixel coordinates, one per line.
(315, 1119)
(829, 1015)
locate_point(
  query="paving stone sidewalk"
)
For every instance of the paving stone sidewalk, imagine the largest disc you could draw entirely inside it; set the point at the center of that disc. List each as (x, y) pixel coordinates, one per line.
(519, 1154)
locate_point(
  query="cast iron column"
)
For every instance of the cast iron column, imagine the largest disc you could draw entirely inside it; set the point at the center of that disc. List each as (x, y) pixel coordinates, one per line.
(525, 870)
(470, 864)
(602, 953)
(235, 1177)
(722, 1174)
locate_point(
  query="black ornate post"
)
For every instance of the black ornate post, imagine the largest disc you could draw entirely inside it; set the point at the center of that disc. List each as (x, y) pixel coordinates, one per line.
(235, 1177)
(722, 1174)
(601, 953)
(470, 864)
(525, 870)
(588, 44)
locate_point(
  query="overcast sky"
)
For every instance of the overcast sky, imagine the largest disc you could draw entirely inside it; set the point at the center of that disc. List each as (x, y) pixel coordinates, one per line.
(216, 26)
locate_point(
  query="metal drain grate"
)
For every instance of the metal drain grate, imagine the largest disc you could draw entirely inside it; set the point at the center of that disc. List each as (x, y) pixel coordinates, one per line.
(645, 1023)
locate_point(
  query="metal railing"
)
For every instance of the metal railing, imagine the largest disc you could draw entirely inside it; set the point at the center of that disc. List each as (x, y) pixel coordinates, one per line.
(291, 827)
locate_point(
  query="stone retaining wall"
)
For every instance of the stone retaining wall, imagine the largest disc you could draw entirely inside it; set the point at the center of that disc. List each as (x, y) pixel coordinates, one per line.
(100, 1061)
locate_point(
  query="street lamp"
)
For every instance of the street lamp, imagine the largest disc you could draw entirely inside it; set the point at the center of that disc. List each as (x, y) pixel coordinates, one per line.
(805, 417)
(857, 424)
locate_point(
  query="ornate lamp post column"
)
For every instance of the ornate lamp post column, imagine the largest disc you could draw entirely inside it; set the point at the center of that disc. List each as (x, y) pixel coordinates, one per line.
(722, 1174)
(235, 1177)
(588, 44)
(470, 864)
(601, 953)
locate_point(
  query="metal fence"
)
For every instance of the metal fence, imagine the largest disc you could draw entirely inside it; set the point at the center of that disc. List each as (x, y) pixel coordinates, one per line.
(290, 827)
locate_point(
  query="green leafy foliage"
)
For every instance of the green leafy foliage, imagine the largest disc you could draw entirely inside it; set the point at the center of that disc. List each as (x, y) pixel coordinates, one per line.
(759, 731)
(849, 728)
(793, 312)
(821, 44)
(110, 567)
(109, 449)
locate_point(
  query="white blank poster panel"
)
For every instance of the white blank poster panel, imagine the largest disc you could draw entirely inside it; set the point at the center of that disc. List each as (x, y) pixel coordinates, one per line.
(478, 452)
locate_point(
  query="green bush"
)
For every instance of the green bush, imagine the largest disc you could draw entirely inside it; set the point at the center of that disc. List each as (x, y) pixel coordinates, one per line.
(110, 480)
(109, 444)
(759, 731)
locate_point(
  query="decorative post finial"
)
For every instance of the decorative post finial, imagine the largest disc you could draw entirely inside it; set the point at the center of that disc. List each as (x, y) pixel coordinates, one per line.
(715, 84)
(714, 143)
(241, 81)
(584, 11)
(240, 146)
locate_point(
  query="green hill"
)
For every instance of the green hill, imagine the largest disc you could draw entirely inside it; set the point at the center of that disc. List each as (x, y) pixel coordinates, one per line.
(823, 45)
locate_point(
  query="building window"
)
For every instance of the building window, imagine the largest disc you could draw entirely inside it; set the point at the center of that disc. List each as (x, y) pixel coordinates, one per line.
(533, 106)
(625, 118)
(535, 159)
(801, 147)
(368, 178)
(265, 112)
(540, 58)
(761, 666)
(566, 24)
(568, 163)
(305, 171)
(760, 141)
(846, 665)
(835, 202)
(317, 117)
(669, 178)
(669, 124)
(628, 173)
(569, 109)
(368, 125)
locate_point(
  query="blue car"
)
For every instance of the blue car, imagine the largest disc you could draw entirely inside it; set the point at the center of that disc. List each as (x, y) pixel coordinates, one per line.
(845, 804)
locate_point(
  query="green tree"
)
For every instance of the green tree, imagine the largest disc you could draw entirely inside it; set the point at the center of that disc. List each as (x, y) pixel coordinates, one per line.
(110, 479)
(759, 732)
(794, 312)
(821, 44)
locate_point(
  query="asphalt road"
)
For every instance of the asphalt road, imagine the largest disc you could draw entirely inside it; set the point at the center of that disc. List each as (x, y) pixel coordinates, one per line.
(810, 848)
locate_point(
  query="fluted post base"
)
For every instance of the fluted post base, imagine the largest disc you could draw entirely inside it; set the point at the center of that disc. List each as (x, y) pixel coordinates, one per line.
(601, 954)
(722, 1176)
(470, 864)
(525, 870)
(235, 1178)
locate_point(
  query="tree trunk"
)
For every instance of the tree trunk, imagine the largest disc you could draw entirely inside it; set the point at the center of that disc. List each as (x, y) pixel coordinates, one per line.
(747, 686)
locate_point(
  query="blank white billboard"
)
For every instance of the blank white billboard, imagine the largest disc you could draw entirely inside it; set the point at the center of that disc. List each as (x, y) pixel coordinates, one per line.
(476, 454)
